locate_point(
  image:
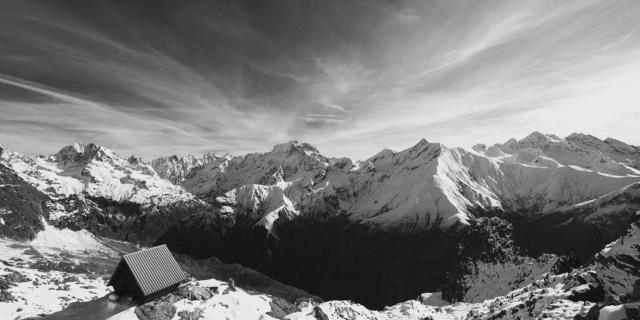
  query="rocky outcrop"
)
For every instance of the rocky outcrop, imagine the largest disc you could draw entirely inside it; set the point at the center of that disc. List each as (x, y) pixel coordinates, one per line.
(178, 169)
(123, 220)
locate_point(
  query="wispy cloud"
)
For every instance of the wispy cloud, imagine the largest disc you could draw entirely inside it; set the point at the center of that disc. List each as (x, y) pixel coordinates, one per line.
(351, 77)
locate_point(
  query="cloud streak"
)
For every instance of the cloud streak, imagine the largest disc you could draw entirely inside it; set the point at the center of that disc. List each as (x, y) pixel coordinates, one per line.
(351, 77)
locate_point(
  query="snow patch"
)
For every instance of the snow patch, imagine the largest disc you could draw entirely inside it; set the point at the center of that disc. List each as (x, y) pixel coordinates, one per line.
(52, 238)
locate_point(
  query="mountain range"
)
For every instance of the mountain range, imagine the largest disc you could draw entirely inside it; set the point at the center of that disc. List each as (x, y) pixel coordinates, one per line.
(352, 227)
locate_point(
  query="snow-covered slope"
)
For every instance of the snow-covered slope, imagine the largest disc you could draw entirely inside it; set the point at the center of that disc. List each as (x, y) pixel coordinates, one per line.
(90, 187)
(609, 206)
(234, 304)
(57, 268)
(425, 184)
(451, 183)
(97, 171)
(259, 203)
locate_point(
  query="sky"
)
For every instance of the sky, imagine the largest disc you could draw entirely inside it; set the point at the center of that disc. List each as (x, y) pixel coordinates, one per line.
(351, 77)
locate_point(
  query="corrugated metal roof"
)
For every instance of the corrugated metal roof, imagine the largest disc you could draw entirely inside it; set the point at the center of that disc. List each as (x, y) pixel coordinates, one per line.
(154, 269)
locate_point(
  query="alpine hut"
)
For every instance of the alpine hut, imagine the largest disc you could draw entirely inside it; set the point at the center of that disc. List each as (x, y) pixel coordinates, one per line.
(147, 274)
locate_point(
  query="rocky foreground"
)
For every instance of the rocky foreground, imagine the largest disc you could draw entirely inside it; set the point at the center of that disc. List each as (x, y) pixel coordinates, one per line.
(57, 281)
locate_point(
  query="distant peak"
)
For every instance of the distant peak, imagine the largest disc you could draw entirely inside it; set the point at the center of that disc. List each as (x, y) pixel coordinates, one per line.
(135, 159)
(537, 136)
(82, 153)
(79, 148)
(386, 152)
(424, 144)
(294, 145)
(621, 146)
(511, 141)
(480, 147)
(576, 136)
(190, 157)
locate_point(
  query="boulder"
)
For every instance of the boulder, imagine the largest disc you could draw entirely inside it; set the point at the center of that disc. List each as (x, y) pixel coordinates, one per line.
(591, 313)
(632, 310)
(195, 293)
(587, 292)
(6, 296)
(16, 276)
(5, 284)
(190, 315)
(155, 310)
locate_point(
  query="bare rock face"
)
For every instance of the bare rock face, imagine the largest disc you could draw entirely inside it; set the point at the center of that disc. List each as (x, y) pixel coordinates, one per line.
(480, 147)
(281, 308)
(21, 206)
(177, 169)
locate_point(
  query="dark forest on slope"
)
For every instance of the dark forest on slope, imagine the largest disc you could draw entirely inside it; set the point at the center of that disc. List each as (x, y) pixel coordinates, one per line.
(336, 258)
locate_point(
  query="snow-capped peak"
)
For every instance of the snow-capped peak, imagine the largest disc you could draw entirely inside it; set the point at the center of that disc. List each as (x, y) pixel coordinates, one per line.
(96, 170)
